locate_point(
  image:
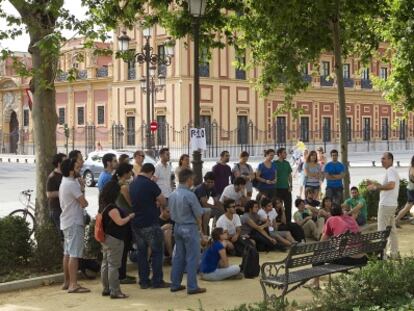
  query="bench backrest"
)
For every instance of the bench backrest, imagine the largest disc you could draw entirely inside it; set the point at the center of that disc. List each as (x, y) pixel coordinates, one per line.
(345, 245)
(372, 242)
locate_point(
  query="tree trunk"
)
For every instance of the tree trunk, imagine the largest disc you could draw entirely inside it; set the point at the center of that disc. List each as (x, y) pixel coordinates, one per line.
(44, 126)
(336, 32)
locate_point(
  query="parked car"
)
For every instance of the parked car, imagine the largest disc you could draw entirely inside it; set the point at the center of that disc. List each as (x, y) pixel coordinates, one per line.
(93, 166)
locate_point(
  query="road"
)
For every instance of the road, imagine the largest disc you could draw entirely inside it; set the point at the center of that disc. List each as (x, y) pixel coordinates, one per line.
(15, 177)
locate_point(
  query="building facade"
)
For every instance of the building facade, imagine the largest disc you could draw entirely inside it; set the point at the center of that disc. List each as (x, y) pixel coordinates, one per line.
(106, 104)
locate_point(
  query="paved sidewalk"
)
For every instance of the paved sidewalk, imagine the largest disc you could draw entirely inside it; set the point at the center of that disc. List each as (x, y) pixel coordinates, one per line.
(220, 295)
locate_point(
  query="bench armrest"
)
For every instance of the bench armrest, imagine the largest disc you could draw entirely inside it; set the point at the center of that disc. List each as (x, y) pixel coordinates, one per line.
(272, 269)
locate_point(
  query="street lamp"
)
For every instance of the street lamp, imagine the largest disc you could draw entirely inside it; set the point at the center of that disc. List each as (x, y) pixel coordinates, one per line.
(151, 60)
(197, 9)
(153, 89)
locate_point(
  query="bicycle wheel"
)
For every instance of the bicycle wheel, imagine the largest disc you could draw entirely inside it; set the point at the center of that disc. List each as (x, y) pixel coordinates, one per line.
(27, 216)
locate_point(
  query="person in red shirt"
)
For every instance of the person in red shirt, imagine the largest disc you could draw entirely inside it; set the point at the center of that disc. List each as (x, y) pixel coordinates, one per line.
(340, 223)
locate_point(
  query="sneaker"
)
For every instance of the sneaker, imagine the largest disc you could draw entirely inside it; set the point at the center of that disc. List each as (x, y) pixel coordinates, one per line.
(128, 280)
(197, 291)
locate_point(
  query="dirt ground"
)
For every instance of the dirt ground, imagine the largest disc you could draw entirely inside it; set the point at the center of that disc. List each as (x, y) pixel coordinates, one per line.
(219, 296)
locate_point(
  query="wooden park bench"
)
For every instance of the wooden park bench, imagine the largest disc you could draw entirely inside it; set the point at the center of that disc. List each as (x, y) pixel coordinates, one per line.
(296, 269)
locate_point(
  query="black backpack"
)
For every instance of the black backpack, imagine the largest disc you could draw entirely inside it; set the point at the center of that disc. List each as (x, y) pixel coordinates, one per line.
(250, 263)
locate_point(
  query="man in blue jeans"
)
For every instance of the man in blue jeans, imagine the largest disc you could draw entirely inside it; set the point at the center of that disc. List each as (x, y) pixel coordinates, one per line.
(145, 194)
(334, 173)
(186, 212)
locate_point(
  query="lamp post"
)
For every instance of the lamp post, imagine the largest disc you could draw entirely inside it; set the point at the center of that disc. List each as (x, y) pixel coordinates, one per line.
(151, 60)
(153, 89)
(197, 9)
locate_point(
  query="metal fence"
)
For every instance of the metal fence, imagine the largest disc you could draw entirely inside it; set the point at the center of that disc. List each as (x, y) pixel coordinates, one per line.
(246, 136)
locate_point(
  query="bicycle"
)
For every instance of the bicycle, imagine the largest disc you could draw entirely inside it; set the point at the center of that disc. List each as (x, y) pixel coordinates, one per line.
(27, 213)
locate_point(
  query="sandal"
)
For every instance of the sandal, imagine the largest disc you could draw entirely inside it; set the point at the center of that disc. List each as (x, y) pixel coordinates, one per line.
(65, 287)
(119, 296)
(79, 290)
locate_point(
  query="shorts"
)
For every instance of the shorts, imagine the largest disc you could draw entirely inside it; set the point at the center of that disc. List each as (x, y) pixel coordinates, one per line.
(410, 196)
(314, 188)
(73, 243)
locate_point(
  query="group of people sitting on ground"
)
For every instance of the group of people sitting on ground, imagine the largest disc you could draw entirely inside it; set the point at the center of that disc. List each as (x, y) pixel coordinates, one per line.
(167, 220)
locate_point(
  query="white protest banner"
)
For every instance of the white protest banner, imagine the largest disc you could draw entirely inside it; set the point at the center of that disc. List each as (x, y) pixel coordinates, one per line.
(198, 139)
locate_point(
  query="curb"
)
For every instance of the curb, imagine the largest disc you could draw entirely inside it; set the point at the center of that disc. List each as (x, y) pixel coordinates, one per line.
(30, 283)
(39, 281)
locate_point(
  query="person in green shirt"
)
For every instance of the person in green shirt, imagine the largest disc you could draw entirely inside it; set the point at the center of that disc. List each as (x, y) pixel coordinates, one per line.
(356, 207)
(284, 182)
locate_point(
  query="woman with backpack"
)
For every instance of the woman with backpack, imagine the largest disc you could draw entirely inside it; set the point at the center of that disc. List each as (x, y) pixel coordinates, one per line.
(215, 263)
(266, 175)
(123, 176)
(114, 221)
(243, 169)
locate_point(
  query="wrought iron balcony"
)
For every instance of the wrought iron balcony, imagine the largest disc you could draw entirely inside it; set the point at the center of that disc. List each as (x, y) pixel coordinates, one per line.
(307, 78)
(102, 72)
(131, 74)
(325, 82)
(348, 82)
(62, 76)
(366, 84)
(240, 74)
(82, 74)
(204, 70)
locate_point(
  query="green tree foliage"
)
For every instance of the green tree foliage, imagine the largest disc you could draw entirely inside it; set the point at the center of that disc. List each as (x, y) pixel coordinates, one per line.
(398, 32)
(44, 21)
(284, 36)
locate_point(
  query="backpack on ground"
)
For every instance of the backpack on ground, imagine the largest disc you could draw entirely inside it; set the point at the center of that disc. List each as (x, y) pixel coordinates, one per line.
(86, 265)
(250, 263)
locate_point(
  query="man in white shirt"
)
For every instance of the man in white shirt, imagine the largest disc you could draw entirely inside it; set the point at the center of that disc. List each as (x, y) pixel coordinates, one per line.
(73, 203)
(236, 192)
(163, 175)
(231, 224)
(388, 203)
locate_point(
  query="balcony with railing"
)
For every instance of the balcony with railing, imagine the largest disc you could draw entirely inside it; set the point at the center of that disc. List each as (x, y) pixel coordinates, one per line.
(204, 70)
(326, 81)
(348, 82)
(102, 72)
(307, 78)
(82, 74)
(240, 74)
(62, 76)
(366, 84)
(131, 74)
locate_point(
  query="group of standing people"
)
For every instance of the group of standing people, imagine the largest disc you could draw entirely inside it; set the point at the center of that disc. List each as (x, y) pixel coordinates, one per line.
(162, 212)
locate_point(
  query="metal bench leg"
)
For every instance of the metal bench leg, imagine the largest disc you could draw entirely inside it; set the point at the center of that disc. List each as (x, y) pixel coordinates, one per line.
(265, 295)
